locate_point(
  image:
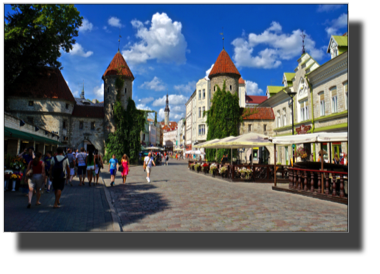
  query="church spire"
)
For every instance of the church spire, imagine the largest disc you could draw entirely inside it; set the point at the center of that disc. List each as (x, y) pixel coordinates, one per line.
(82, 93)
(167, 103)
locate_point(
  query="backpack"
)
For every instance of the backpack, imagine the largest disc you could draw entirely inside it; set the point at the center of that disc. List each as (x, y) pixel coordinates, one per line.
(71, 162)
(58, 172)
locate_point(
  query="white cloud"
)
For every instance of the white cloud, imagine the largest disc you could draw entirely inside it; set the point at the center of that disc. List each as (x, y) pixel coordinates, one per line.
(208, 71)
(327, 8)
(76, 94)
(78, 50)
(163, 41)
(252, 88)
(99, 92)
(179, 116)
(337, 24)
(143, 107)
(146, 22)
(189, 87)
(156, 84)
(161, 114)
(145, 100)
(86, 26)
(115, 22)
(106, 29)
(280, 46)
(173, 100)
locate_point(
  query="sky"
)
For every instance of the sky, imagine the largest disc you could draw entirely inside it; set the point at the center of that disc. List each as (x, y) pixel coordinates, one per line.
(170, 47)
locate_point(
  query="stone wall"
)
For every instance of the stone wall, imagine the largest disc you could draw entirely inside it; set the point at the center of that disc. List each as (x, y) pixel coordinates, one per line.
(40, 105)
(79, 136)
(232, 83)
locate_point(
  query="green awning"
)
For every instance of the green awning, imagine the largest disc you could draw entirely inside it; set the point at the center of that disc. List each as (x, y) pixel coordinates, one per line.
(14, 133)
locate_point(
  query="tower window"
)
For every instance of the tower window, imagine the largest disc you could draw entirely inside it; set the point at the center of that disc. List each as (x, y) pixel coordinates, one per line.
(64, 124)
(108, 90)
(214, 88)
(112, 106)
(93, 125)
(265, 128)
(230, 87)
(81, 125)
(249, 128)
(67, 106)
(125, 90)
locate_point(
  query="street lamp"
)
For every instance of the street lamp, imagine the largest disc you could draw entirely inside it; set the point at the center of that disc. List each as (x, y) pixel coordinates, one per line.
(292, 94)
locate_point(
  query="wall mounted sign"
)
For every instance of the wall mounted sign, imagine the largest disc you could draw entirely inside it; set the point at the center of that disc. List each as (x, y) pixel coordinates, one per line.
(303, 129)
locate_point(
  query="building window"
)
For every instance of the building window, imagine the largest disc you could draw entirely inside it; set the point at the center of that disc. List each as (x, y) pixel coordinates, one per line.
(199, 109)
(278, 119)
(334, 100)
(108, 90)
(31, 103)
(345, 88)
(203, 111)
(81, 125)
(67, 106)
(93, 125)
(30, 120)
(204, 94)
(64, 124)
(322, 104)
(265, 128)
(199, 95)
(249, 128)
(215, 88)
(304, 111)
(301, 87)
(284, 117)
(201, 130)
(125, 91)
(230, 87)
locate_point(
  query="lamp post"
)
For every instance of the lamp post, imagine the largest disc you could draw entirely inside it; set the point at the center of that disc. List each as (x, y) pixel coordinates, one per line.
(292, 94)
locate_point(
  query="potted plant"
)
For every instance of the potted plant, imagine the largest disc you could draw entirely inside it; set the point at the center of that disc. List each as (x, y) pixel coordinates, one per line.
(18, 163)
(223, 171)
(249, 173)
(197, 167)
(243, 172)
(205, 167)
(303, 153)
(213, 169)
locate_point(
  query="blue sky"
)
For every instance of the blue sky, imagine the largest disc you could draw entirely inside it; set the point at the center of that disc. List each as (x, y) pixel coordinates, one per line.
(170, 47)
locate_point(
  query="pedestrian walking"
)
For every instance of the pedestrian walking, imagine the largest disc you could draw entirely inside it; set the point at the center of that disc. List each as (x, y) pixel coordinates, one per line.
(98, 165)
(28, 155)
(148, 162)
(81, 159)
(47, 160)
(59, 170)
(71, 159)
(125, 164)
(90, 161)
(336, 159)
(36, 168)
(112, 168)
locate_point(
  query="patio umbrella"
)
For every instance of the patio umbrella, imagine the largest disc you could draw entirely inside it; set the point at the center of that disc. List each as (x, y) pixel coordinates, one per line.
(216, 144)
(206, 143)
(246, 141)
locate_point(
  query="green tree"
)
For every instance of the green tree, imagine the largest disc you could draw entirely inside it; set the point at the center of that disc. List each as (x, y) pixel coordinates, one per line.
(34, 35)
(223, 120)
(129, 123)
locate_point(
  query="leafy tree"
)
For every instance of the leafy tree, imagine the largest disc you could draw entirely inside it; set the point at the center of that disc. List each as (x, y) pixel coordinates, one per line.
(223, 120)
(33, 38)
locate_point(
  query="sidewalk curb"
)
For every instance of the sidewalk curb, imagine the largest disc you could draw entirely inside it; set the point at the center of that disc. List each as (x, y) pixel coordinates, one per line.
(116, 225)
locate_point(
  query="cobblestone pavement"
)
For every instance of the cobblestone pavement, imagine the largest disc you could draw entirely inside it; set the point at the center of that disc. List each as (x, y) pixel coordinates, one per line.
(180, 200)
(83, 208)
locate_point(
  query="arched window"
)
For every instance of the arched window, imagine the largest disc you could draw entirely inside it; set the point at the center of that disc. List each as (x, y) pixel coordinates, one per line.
(215, 88)
(301, 86)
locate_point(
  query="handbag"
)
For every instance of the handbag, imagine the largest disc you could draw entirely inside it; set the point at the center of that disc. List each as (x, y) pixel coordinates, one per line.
(120, 168)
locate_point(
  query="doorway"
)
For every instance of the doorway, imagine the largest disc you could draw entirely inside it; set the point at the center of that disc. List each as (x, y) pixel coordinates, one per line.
(90, 148)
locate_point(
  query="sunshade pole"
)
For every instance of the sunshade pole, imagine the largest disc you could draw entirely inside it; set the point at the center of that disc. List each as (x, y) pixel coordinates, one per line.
(323, 175)
(275, 181)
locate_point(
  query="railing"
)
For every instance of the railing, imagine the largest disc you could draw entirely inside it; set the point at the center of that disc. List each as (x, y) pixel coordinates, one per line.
(332, 183)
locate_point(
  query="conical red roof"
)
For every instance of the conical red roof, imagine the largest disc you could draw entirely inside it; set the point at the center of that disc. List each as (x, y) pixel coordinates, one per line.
(223, 65)
(118, 62)
(241, 81)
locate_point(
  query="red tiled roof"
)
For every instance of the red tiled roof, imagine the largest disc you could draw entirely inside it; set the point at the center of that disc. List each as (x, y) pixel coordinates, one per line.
(49, 84)
(251, 99)
(88, 111)
(118, 62)
(257, 114)
(223, 65)
(241, 81)
(150, 120)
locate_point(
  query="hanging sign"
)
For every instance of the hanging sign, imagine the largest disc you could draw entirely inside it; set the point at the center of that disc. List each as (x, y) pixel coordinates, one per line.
(303, 129)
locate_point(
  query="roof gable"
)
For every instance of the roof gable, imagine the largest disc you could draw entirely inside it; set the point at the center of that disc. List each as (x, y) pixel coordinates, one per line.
(223, 65)
(48, 84)
(118, 66)
(341, 41)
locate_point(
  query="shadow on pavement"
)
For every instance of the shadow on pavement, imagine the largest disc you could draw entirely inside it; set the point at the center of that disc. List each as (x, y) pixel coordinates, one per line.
(133, 203)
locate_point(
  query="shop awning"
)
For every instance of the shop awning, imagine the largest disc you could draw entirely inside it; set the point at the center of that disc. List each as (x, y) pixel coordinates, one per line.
(246, 141)
(215, 143)
(311, 138)
(14, 133)
(206, 143)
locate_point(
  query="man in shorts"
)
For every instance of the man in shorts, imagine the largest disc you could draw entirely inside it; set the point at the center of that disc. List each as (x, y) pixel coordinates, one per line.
(148, 162)
(71, 159)
(59, 170)
(113, 168)
(81, 158)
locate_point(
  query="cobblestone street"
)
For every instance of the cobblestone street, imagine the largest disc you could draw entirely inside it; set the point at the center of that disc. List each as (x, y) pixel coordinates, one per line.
(180, 200)
(175, 200)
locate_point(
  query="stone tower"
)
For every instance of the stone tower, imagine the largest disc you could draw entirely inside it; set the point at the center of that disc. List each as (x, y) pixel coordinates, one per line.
(117, 68)
(224, 69)
(167, 110)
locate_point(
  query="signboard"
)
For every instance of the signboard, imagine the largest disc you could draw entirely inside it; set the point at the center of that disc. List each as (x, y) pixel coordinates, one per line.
(303, 129)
